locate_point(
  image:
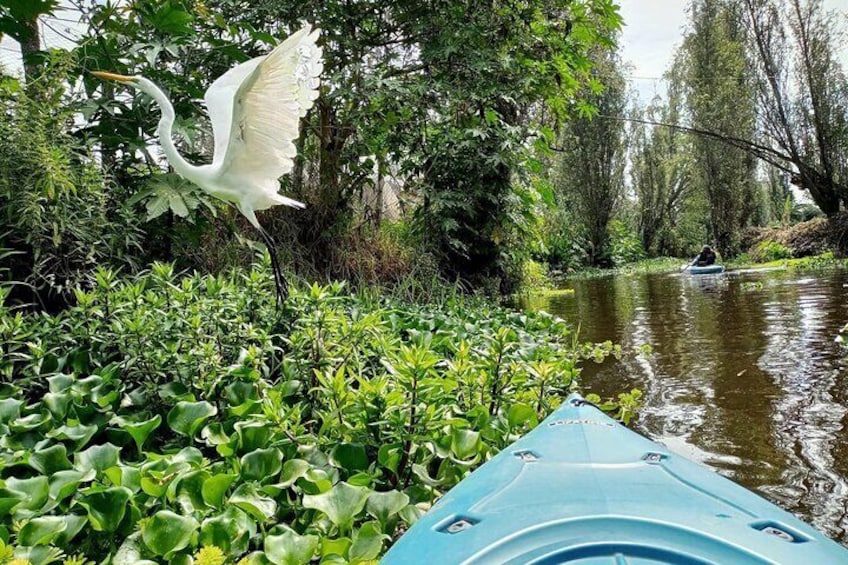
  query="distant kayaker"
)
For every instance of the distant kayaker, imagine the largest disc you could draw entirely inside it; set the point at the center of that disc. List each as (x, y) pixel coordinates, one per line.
(706, 257)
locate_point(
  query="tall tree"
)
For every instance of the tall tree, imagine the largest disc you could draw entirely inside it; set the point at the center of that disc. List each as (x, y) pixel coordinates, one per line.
(721, 99)
(19, 20)
(443, 92)
(661, 169)
(593, 158)
(803, 94)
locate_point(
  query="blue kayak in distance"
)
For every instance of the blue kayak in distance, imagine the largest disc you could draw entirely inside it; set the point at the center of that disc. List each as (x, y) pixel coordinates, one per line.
(705, 270)
(581, 488)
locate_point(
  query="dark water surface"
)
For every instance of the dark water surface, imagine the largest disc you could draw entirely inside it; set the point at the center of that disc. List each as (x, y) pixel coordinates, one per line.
(745, 375)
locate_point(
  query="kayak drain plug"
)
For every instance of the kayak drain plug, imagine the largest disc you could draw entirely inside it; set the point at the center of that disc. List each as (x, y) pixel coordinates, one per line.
(457, 525)
(654, 457)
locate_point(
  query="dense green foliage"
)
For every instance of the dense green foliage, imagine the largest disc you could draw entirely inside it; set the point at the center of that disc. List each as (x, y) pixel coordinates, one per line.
(163, 414)
(56, 210)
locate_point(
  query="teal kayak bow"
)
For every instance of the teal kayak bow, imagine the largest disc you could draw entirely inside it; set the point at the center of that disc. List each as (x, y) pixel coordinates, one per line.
(581, 488)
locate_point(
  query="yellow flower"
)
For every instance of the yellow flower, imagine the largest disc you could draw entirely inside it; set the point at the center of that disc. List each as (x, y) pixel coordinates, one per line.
(210, 555)
(19, 562)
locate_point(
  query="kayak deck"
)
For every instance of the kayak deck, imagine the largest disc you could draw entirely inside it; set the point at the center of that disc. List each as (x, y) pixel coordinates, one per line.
(583, 489)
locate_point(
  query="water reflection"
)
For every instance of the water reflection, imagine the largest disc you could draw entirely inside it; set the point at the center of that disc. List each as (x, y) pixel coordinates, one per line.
(745, 375)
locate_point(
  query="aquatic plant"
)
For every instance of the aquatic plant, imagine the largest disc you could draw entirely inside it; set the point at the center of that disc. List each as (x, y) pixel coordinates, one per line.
(170, 418)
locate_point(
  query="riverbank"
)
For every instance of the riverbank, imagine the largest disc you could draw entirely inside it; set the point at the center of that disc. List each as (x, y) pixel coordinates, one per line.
(670, 265)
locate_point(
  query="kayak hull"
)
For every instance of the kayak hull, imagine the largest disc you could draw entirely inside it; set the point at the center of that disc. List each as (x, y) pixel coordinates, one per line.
(706, 270)
(581, 488)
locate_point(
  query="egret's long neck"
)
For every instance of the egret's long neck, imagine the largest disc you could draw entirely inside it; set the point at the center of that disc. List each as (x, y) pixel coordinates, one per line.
(165, 131)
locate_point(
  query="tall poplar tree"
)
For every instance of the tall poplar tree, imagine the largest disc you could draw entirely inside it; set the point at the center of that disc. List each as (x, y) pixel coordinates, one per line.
(591, 177)
(721, 99)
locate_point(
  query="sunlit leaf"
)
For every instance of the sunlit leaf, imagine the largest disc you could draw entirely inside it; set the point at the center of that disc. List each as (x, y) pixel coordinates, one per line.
(166, 532)
(341, 504)
(289, 548)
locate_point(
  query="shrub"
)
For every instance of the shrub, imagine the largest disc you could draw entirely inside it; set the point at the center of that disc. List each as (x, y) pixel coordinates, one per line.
(769, 250)
(54, 202)
(162, 415)
(625, 246)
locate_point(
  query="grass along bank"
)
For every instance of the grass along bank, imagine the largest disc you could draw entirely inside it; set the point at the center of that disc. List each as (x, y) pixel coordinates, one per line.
(670, 265)
(168, 419)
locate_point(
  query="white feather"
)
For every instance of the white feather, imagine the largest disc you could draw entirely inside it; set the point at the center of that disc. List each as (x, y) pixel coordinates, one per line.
(256, 108)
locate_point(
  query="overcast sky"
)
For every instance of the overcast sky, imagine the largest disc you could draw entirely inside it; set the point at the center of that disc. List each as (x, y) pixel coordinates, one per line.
(654, 28)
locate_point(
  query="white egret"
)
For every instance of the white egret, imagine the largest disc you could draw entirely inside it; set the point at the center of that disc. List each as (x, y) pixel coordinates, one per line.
(255, 109)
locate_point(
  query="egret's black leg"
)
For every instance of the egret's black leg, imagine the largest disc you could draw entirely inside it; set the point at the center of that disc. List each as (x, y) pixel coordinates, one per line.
(279, 280)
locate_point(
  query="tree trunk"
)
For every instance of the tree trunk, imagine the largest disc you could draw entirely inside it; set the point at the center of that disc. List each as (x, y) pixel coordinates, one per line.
(30, 46)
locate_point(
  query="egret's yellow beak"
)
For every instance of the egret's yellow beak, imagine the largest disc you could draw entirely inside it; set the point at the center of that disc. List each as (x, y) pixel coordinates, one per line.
(112, 76)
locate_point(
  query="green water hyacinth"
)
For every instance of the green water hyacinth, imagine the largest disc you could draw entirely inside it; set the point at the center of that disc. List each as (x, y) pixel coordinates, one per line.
(180, 420)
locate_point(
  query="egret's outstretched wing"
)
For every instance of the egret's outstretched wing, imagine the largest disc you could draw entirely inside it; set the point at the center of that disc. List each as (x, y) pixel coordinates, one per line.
(219, 101)
(266, 97)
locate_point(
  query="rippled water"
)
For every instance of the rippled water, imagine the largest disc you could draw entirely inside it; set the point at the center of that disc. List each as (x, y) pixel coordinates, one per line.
(745, 375)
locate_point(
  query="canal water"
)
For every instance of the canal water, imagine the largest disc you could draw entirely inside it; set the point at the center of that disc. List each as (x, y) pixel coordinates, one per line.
(745, 375)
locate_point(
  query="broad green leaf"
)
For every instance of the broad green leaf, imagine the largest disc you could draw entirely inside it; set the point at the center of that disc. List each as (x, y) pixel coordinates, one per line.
(9, 500)
(367, 543)
(384, 505)
(350, 456)
(50, 460)
(175, 392)
(520, 414)
(338, 546)
(410, 514)
(166, 532)
(125, 476)
(289, 548)
(213, 434)
(293, 469)
(65, 483)
(97, 457)
(172, 20)
(106, 508)
(130, 551)
(10, 409)
(77, 433)
(249, 499)
(189, 491)
(231, 531)
(341, 504)
(261, 464)
(389, 456)
(42, 530)
(361, 479)
(74, 523)
(215, 487)
(187, 418)
(239, 392)
(315, 481)
(29, 423)
(60, 383)
(465, 443)
(139, 431)
(57, 403)
(252, 435)
(36, 489)
(190, 455)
